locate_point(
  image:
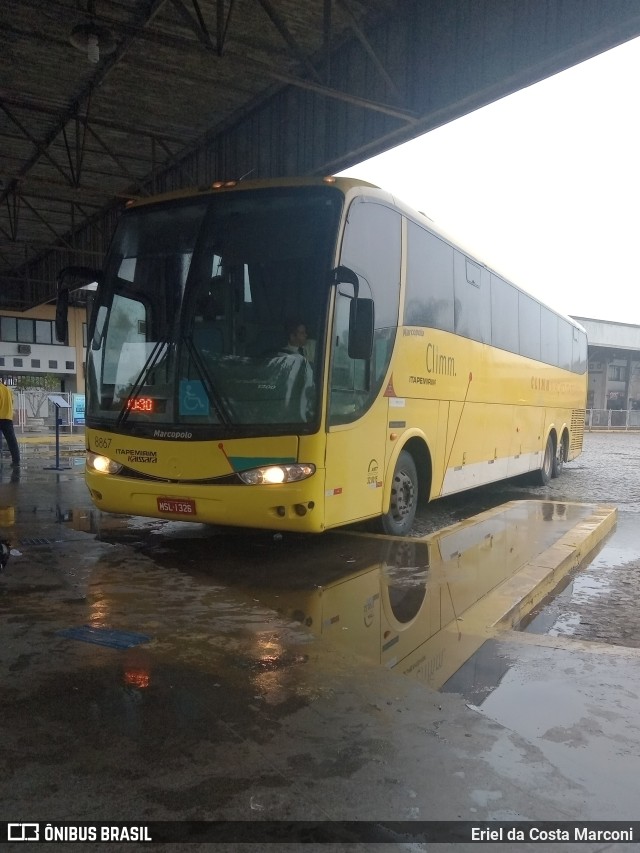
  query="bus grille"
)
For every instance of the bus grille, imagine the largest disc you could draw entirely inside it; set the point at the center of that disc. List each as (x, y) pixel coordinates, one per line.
(577, 430)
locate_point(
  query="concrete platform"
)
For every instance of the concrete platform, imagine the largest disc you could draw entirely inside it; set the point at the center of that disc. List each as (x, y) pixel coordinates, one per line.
(270, 680)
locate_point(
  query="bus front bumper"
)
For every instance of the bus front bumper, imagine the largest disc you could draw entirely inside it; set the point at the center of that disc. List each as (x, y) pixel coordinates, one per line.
(294, 506)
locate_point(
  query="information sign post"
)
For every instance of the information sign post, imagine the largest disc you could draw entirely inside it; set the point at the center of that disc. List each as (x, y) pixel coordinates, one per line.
(60, 403)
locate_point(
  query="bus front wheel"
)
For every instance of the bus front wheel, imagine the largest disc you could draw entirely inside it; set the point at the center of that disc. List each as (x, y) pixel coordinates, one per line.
(404, 497)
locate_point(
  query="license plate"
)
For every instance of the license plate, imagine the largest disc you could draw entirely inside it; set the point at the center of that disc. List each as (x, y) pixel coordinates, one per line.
(184, 506)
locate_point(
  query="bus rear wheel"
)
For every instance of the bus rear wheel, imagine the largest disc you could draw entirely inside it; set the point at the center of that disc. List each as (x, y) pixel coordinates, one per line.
(404, 498)
(543, 475)
(558, 460)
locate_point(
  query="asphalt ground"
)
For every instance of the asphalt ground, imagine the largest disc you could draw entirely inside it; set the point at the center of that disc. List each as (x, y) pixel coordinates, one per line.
(238, 708)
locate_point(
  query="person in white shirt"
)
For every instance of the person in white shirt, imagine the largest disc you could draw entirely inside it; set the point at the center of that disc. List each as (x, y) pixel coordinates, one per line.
(301, 370)
(297, 338)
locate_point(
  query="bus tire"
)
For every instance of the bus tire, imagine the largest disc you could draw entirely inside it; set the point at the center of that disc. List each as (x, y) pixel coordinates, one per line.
(558, 460)
(542, 476)
(404, 498)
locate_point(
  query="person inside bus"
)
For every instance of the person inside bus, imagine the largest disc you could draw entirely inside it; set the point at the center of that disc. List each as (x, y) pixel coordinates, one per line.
(298, 340)
(299, 395)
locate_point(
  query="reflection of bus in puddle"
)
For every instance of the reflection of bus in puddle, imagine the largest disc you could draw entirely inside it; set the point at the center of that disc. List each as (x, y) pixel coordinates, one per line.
(422, 607)
(425, 606)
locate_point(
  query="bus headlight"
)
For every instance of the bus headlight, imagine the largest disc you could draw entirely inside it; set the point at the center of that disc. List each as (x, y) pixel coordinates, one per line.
(274, 474)
(102, 464)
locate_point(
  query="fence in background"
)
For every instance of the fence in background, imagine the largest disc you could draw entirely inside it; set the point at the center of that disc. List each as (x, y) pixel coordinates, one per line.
(45, 420)
(613, 419)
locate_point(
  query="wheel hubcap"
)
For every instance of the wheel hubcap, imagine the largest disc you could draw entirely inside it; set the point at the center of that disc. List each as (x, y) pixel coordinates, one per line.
(401, 495)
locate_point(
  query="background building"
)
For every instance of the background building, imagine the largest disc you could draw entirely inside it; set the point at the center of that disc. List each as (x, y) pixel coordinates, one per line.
(614, 364)
(28, 347)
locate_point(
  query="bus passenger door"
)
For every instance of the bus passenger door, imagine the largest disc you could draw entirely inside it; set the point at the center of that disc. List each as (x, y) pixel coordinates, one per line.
(356, 433)
(358, 410)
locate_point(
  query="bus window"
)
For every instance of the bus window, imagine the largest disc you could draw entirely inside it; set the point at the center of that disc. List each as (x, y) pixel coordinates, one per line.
(429, 299)
(548, 336)
(372, 249)
(565, 344)
(579, 359)
(529, 326)
(125, 351)
(349, 377)
(471, 308)
(504, 315)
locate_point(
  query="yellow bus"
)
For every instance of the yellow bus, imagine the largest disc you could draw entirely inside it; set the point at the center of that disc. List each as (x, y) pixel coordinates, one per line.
(424, 372)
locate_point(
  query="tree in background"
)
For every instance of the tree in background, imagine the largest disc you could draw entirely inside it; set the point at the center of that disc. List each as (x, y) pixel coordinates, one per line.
(36, 389)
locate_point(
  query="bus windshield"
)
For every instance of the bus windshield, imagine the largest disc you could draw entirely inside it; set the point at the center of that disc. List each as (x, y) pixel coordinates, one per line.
(189, 325)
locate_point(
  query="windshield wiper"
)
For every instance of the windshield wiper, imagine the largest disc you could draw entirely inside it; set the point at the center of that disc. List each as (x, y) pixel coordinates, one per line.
(152, 359)
(220, 405)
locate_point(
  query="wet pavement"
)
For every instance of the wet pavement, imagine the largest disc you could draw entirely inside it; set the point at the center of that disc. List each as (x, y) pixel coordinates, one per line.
(269, 676)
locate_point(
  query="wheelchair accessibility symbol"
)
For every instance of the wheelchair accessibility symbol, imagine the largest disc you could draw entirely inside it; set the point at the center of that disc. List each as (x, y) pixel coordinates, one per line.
(193, 398)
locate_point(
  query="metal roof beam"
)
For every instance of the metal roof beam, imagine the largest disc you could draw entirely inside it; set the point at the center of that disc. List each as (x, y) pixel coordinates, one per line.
(366, 44)
(222, 25)
(20, 102)
(36, 187)
(40, 147)
(136, 181)
(337, 94)
(197, 27)
(73, 109)
(45, 223)
(76, 157)
(35, 245)
(296, 50)
(13, 209)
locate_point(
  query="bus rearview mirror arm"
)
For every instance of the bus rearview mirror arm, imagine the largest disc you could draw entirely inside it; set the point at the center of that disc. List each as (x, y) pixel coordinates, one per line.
(361, 315)
(70, 278)
(344, 275)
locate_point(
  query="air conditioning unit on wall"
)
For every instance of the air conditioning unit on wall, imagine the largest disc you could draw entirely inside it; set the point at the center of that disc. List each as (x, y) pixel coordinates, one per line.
(24, 349)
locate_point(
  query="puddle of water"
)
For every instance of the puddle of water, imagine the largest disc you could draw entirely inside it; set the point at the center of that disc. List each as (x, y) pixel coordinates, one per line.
(421, 607)
(411, 605)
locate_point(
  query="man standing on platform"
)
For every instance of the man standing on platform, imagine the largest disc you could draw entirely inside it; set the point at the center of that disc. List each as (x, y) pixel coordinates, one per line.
(6, 423)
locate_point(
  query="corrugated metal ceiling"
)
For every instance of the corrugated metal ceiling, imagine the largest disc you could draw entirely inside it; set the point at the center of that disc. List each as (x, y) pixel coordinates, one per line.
(75, 134)
(195, 90)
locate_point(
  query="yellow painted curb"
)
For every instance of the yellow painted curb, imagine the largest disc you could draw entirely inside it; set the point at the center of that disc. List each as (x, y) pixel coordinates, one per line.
(514, 599)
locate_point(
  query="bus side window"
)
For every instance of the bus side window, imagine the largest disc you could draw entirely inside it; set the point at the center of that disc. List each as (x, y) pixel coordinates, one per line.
(371, 248)
(565, 344)
(504, 315)
(429, 299)
(348, 373)
(548, 336)
(472, 308)
(529, 326)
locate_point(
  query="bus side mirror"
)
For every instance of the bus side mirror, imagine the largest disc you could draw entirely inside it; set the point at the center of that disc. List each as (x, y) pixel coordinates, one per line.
(70, 278)
(361, 325)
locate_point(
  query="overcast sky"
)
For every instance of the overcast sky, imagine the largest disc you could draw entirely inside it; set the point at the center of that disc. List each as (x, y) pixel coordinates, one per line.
(544, 185)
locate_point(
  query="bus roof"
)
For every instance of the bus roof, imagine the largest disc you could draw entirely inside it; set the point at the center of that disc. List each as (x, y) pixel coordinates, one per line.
(215, 187)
